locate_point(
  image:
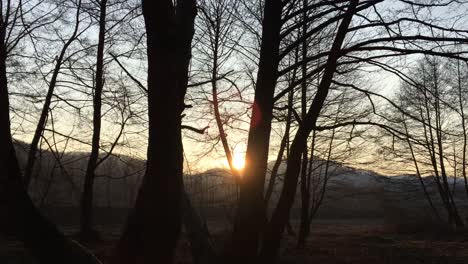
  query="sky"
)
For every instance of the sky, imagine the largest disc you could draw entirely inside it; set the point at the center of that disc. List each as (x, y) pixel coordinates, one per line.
(202, 151)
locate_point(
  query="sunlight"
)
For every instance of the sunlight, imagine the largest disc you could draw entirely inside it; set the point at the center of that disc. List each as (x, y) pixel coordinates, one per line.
(238, 160)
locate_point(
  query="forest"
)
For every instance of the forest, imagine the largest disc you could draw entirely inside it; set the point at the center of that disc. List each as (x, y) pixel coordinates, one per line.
(233, 131)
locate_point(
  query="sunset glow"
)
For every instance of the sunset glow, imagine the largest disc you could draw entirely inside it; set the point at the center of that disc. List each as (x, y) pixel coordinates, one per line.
(238, 160)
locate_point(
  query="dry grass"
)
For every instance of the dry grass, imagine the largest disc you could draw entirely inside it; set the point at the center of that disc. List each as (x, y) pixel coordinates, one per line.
(331, 242)
(357, 243)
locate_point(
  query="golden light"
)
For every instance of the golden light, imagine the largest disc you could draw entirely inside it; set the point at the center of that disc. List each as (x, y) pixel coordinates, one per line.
(238, 160)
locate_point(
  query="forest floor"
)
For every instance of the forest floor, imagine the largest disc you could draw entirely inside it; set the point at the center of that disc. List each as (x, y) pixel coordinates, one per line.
(362, 242)
(331, 242)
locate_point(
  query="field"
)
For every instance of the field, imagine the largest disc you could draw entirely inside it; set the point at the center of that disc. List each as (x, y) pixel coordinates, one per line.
(365, 241)
(358, 241)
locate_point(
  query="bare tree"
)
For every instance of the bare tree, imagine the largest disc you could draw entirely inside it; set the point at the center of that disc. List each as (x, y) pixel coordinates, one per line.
(86, 229)
(155, 221)
(50, 92)
(218, 38)
(22, 218)
(428, 98)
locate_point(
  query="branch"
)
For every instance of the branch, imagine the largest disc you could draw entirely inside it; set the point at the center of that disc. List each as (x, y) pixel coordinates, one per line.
(210, 80)
(142, 87)
(196, 130)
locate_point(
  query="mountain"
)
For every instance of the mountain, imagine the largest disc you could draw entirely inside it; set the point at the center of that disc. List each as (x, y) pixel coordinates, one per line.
(59, 182)
(350, 192)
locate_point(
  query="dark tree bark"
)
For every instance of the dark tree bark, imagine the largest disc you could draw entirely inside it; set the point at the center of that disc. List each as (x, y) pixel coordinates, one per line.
(203, 250)
(463, 123)
(284, 145)
(279, 158)
(87, 233)
(251, 210)
(153, 227)
(305, 202)
(305, 187)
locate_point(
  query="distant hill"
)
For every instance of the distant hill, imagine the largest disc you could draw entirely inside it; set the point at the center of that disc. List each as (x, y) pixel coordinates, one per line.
(59, 184)
(351, 193)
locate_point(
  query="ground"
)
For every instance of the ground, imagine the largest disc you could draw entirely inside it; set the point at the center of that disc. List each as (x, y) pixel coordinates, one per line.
(362, 242)
(358, 241)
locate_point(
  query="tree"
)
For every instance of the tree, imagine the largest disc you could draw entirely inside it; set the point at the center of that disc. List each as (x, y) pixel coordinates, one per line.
(427, 96)
(248, 222)
(281, 214)
(48, 99)
(86, 229)
(327, 148)
(155, 221)
(218, 39)
(22, 219)
(458, 80)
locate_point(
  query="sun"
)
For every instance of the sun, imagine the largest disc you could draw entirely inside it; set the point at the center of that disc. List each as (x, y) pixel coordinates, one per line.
(238, 161)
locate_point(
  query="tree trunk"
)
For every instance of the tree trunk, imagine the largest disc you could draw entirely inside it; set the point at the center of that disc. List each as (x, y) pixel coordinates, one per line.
(203, 251)
(87, 233)
(279, 158)
(153, 227)
(305, 190)
(463, 121)
(250, 213)
(305, 202)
